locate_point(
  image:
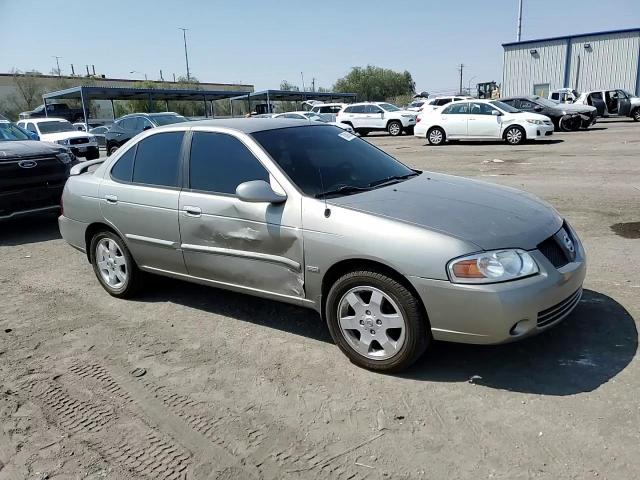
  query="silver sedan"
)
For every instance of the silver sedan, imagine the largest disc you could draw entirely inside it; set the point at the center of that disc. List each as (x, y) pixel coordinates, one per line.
(392, 258)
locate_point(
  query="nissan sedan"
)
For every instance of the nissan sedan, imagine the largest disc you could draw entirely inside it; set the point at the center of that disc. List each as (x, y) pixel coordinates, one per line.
(391, 257)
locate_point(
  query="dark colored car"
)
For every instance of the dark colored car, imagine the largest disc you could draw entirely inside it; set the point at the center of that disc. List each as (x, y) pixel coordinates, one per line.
(58, 110)
(565, 117)
(32, 173)
(127, 127)
(99, 133)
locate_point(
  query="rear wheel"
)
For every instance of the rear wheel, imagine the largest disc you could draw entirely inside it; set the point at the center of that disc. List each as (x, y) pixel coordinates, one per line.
(436, 136)
(394, 128)
(113, 265)
(362, 133)
(113, 150)
(636, 114)
(376, 321)
(514, 135)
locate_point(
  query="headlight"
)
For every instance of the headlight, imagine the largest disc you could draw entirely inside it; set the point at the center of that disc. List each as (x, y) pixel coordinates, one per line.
(564, 112)
(64, 141)
(64, 157)
(491, 267)
(535, 122)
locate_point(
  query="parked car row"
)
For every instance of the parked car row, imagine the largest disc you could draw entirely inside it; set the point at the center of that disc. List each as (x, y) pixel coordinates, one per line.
(62, 132)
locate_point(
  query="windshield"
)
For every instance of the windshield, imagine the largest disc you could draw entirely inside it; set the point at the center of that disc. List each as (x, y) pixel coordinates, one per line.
(546, 102)
(388, 107)
(628, 94)
(315, 117)
(161, 120)
(306, 154)
(9, 131)
(55, 126)
(504, 107)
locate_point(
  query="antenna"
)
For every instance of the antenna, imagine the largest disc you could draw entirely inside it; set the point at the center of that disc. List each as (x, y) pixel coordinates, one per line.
(327, 212)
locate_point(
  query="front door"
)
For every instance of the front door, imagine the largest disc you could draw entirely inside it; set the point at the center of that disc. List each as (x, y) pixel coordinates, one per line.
(481, 122)
(454, 119)
(624, 103)
(227, 240)
(375, 117)
(139, 197)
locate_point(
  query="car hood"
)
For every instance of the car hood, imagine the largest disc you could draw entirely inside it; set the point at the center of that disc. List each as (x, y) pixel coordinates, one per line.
(27, 148)
(576, 107)
(488, 215)
(526, 115)
(53, 137)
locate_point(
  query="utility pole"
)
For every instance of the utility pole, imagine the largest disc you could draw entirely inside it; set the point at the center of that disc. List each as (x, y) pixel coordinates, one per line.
(460, 70)
(519, 20)
(186, 55)
(313, 84)
(302, 75)
(58, 64)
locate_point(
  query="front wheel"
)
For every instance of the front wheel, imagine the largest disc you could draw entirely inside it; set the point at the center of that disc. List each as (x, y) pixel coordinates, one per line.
(113, 150)
(113, 265)
(376, 321)
(636, 115)
(394, 128)
(514, 135)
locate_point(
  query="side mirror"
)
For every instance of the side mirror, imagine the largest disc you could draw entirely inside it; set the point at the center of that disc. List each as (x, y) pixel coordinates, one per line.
(258, 191)
(538, 108)
(496, 113)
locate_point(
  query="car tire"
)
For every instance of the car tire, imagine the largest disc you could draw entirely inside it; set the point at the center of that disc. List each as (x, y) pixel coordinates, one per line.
(113, 264)
(409, 130)
(436, 136)
(394, 128)
(112, 150)
(93, 156)
(515, 135)
(390, 331)
(362, 133)
(636, 115)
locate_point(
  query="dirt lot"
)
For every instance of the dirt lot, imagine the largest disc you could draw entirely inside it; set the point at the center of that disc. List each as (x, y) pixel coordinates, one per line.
(236, 387)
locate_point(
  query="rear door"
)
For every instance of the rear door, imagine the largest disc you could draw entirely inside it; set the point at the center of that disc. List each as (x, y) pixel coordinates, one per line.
(595, 99)
(454, 119)
(358, 116)
(139, 196)
(227, 240)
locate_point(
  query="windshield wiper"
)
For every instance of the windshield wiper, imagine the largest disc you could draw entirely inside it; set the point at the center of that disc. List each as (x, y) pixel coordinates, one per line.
(342, 189)
(392, 179)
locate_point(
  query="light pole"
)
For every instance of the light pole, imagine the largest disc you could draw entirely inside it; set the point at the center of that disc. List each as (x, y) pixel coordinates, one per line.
(186, 55)
(519, 34)
(135, 71)
(57, 63)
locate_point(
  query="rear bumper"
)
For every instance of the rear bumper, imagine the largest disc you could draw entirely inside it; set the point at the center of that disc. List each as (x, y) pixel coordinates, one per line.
(30, 201)
(73, 232)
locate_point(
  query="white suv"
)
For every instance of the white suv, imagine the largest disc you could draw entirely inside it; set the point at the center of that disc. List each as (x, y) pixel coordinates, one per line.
(61, 131)
(368, 117)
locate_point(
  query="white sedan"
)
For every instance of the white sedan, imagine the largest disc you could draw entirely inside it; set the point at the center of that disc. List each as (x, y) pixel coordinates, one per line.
(313, 117)
(482, 120)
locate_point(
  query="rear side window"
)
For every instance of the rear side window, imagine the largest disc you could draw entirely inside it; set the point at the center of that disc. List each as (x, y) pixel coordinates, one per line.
(123, 169)
(158, 160)
(220, 162)
(348, 110)
(456, 109)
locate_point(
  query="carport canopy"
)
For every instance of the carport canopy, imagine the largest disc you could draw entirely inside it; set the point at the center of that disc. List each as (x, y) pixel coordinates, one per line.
(269, 96)
(87, 93)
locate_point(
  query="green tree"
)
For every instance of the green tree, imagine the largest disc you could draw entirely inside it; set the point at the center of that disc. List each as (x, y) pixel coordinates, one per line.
(373, 83)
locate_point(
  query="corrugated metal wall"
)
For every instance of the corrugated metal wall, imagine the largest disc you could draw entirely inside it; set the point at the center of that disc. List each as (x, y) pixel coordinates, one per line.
(611, 62)
(522, 70)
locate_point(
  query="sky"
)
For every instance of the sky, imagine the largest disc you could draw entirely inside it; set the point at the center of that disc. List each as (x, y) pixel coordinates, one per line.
(263, 42)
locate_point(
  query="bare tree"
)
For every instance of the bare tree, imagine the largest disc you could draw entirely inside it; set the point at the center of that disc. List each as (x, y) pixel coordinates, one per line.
(29, 87)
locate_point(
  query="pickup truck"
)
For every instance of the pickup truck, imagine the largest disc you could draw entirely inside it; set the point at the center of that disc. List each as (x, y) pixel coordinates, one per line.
(58, 110)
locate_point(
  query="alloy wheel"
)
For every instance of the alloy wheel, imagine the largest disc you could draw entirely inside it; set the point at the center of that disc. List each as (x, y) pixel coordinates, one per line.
(112, 264)
(371, 322)
(435, 137)
(514, 136)
(395, 129)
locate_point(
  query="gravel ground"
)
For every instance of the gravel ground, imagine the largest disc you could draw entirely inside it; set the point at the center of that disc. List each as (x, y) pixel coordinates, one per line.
(198, 383)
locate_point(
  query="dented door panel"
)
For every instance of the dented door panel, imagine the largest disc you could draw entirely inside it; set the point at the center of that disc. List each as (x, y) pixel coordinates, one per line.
(254, 245)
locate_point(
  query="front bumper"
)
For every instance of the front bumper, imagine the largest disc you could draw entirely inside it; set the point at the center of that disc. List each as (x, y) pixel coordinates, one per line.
(85, 150)
(539, 132)
(30, 201)
(503, 312)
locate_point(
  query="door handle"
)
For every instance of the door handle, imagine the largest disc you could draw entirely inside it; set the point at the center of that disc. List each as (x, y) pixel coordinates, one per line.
(192, 211)
(111, 198)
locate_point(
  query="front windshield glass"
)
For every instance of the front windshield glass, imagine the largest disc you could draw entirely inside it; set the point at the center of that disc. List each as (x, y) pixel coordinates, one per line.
(315, 117)
(546, 102)
(388, 107)
(54, 127)
(628, 94)
(323, 158)
(9, 131)
(504, 107)
(161, 120)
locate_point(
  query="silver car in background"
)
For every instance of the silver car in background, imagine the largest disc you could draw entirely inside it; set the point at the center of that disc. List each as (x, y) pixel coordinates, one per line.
(309, 214)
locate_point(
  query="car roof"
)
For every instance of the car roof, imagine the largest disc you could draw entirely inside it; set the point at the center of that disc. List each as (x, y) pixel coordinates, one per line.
(245, 125)
(147, 114)
(528, 97)
(44, 119)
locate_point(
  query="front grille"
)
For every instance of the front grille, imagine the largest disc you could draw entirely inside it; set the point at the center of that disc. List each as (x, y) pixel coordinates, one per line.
(78, 141)
(554, 253)
(560, 310)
